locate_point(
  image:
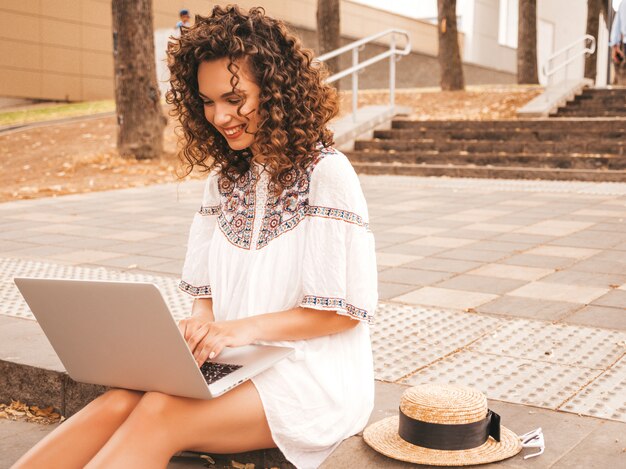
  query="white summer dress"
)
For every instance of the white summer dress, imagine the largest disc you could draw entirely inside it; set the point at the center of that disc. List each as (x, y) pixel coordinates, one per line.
(255, 253)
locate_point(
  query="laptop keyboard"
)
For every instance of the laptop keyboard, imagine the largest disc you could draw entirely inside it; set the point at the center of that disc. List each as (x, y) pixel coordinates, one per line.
(214, 371)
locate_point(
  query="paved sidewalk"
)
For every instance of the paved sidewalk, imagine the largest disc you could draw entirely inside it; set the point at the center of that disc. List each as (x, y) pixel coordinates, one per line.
(515, 287)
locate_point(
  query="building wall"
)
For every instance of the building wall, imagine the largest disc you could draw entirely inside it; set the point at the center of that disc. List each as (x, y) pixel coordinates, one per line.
(569, 18)
(481, 46)
(62, 49)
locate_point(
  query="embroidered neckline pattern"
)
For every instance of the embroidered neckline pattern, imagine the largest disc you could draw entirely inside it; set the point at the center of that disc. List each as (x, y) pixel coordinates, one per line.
(236, 212)
(204, 290)
(236, 218)
(325, 302)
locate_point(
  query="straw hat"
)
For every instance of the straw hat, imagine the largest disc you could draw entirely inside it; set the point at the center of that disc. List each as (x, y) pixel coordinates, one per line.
(443, 425)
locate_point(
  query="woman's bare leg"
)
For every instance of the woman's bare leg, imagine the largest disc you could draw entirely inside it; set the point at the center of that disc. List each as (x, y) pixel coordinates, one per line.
(73, 443)
(161, 425)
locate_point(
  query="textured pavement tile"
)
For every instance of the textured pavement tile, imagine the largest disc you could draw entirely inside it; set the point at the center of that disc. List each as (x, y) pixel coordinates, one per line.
(605, 397)
(510, 379)
(412, 276)
(543, 262)
(392, 260)
(529, 308)
(442, 265)
(445, 298)
(564, 344)
(514, 272)
(482, 284)
(589, 279)
(406, 338)
(468, 254)
(562, 251)
(599, 316)
(554, 228)
(442, 242)
(559, 292)
(614, 298)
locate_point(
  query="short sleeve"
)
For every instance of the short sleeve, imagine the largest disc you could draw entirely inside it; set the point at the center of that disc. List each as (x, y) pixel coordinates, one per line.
(195, 275)
(339, 255)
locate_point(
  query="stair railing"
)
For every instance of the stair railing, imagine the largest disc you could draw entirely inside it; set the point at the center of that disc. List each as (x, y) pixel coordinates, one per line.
(392, 53)
(568, 55)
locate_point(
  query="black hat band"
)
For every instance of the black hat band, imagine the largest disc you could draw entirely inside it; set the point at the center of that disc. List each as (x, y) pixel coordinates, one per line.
(449, 436)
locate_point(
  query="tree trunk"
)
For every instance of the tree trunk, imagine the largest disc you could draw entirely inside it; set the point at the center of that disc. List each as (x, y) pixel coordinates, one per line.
(328, 31)
(449, 55)
(527, 43)
(140, 120)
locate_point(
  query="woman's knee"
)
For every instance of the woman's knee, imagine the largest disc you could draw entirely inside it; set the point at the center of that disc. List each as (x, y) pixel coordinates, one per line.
(155, 405)
(120, 403)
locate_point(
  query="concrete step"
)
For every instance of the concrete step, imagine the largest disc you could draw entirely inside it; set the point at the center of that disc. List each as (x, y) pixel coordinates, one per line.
(573, 125)
(491, 159)
(599, 92)
(570, 112)
(547, 135)
(617, 147)
(610, 101)
(518, 172)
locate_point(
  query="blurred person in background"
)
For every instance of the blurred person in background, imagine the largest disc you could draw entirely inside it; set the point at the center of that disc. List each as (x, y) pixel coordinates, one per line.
(618, 50)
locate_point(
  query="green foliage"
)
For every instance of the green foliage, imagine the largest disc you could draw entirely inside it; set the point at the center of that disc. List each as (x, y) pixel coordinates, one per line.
(43, 112)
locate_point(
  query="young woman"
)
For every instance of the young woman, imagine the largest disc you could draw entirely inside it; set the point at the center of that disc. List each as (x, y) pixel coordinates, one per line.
(279, 253)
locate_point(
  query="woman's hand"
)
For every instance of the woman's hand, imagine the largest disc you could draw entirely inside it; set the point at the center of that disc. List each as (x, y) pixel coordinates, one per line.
(209, 338)
(189, 326)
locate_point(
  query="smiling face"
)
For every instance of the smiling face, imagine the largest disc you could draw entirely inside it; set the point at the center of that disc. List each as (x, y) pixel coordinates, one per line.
(221, 104)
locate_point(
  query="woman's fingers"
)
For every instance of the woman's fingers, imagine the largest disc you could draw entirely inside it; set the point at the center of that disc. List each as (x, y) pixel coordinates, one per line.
(197, 336)
(211, 348)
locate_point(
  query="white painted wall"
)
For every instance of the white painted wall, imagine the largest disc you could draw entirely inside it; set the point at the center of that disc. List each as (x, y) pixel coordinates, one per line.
(481, 37)
(568, 18)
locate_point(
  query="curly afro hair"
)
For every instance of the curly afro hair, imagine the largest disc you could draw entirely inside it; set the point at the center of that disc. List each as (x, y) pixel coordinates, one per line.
(295, 105)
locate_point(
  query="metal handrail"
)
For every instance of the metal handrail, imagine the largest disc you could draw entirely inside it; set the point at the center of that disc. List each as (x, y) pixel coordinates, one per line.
(393, 54)
(549, 72)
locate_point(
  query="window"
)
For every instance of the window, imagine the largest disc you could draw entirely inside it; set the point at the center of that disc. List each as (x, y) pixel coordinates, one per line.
(507, 28)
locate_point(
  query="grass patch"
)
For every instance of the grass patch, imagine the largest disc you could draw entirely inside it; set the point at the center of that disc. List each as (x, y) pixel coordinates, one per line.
(56, 111)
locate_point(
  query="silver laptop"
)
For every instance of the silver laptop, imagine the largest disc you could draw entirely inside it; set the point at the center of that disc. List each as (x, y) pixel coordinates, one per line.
(123, 335)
